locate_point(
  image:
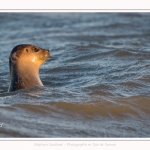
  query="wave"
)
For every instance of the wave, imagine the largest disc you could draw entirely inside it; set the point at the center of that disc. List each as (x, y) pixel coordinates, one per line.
(138, 106)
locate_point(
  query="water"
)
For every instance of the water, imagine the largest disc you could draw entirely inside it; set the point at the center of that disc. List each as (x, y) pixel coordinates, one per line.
(97, 80)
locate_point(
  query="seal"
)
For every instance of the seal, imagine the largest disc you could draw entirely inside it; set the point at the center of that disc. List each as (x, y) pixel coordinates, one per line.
(24, 63)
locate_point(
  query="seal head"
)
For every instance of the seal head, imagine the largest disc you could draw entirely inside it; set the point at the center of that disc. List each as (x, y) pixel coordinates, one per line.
(24, 63)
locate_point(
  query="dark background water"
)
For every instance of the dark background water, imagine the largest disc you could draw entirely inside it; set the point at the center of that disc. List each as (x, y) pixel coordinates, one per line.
(97, 80)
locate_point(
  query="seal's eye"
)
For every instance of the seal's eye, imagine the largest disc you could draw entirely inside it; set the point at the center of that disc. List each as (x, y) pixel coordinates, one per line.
(36, 49)
(26, 50)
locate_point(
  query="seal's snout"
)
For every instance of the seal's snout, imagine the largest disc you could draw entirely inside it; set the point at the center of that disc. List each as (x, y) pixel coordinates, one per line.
(48, 51)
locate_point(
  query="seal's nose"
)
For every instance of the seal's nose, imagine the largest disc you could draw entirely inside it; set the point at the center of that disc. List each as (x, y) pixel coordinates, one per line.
(48, 51)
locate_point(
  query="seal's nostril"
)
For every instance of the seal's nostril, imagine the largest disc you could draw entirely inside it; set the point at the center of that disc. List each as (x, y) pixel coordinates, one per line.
(47, 50)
